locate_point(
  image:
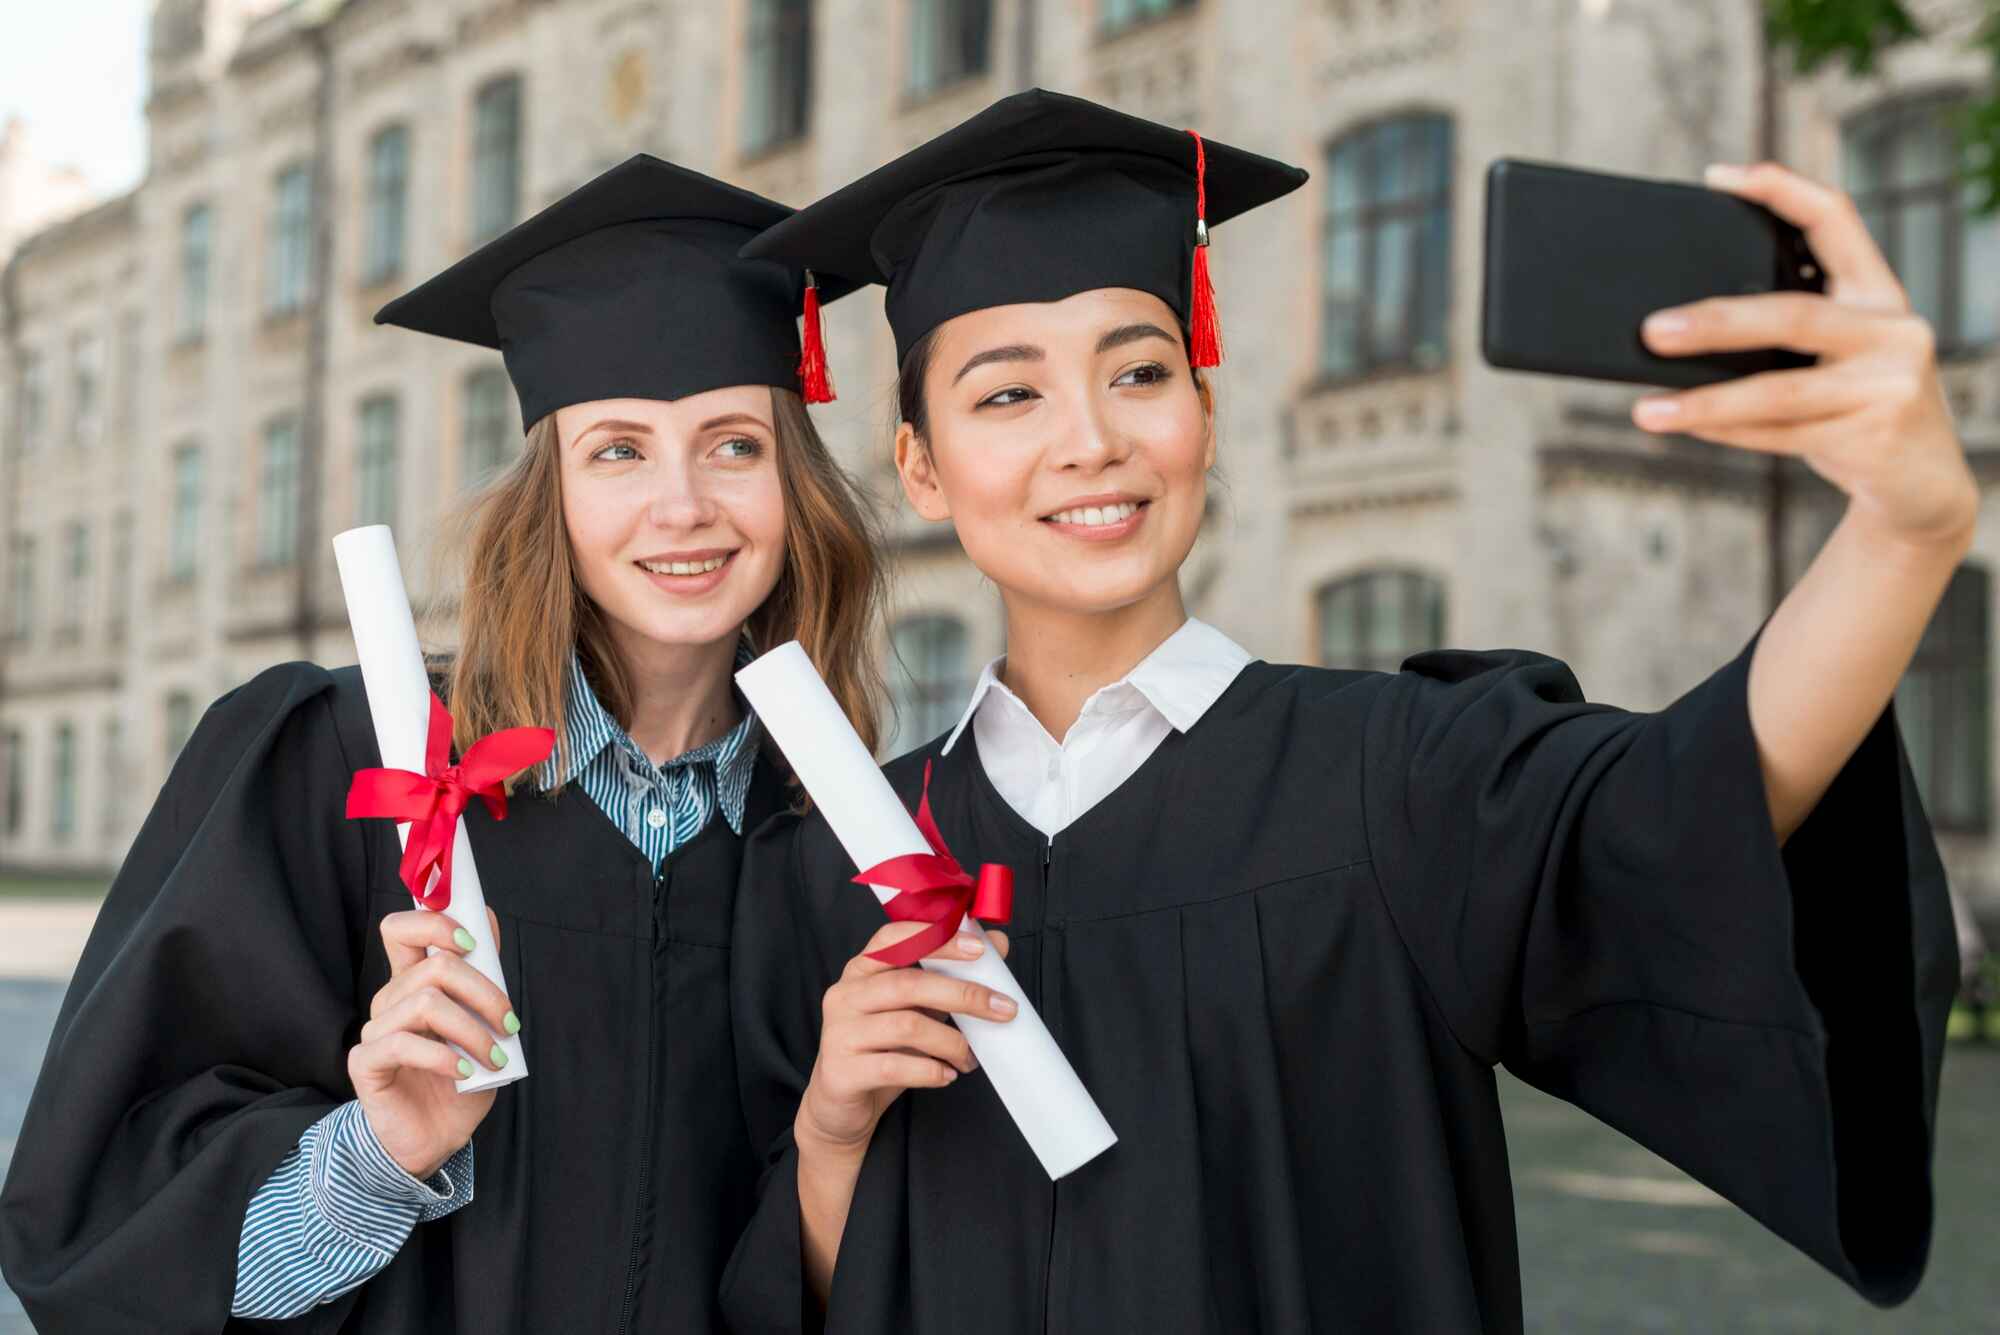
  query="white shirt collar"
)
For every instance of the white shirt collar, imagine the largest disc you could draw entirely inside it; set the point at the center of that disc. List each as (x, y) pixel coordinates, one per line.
(1181, 678)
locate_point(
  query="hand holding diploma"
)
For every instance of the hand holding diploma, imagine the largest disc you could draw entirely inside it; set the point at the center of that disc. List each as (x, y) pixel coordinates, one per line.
(1035, 1082)
(413, 735)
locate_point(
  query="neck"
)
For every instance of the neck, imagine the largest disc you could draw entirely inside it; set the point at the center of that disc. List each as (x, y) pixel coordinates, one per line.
(681, 694)
(1058, 657)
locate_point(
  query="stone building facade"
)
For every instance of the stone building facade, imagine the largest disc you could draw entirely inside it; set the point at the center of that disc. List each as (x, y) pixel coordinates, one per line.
(193, 383)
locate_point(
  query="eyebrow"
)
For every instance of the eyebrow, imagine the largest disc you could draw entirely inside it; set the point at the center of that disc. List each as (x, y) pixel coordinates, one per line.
(615, 424)
(733, 419)
(1132, 333)
(1013, 352)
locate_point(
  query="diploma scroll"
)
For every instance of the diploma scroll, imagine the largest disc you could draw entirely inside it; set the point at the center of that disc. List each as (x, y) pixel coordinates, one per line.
(1035, 1082)
(399, 701)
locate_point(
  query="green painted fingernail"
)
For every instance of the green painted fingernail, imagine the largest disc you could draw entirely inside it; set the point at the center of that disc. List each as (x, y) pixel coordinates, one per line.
(465, 1068)
(464, 939)
(512, 1023)
(497, 1057)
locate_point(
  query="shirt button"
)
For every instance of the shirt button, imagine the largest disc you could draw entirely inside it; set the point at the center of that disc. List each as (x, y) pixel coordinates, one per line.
(656, 818)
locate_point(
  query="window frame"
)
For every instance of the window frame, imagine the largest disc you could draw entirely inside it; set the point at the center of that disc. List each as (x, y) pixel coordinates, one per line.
(947, 25)
(1417, 206)
(489, 214)
(784, 32)
(385, 206)
(920, 701)
(1368, 580)
(278, 493)
(288, 276)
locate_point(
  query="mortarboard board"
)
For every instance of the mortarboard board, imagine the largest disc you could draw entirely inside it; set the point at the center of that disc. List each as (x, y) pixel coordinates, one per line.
(630, 286)
(1038, 197)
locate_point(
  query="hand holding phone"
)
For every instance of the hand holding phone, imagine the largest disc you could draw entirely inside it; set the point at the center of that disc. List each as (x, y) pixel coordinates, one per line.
(1576, 260)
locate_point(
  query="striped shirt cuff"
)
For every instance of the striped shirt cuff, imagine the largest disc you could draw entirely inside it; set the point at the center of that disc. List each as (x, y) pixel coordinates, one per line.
(360, 1188)
(333, 1214)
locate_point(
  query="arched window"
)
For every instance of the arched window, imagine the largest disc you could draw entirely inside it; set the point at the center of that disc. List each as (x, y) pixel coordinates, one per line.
(1376, 619)
(388, 195)
(496, 158)
(375, 461)
(928, 678)
(1905, 169)
(1944, 705)
(777, 73)
(1386, 258)
(489, 433)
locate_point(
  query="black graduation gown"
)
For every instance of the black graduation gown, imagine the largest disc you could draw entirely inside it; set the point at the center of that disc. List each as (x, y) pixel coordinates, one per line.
(229, 973)
(1285, 957)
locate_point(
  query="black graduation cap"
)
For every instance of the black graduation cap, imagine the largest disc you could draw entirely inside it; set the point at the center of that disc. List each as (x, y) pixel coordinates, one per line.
(630, 286)
(1036, 198)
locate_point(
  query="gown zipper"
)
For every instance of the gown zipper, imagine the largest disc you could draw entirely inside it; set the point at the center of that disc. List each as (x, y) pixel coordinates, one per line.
(1049, 1262)
(646, 1132)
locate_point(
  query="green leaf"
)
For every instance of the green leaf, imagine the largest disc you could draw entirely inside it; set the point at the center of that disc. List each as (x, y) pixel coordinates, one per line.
(1816, 31)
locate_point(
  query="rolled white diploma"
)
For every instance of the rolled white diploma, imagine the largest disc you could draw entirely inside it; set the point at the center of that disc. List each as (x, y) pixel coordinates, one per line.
(1035, 1082)
(399, 702)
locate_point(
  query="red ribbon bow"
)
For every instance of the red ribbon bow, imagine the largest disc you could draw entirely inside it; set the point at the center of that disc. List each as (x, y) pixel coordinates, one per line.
(936, 890)
(432, 801)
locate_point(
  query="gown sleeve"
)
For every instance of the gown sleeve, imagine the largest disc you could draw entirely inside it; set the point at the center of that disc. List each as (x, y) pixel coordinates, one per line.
(205, 1030)
(1597, 899)
(781, 968)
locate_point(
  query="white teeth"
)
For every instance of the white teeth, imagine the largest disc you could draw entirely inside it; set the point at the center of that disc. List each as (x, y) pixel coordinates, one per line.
(1094, 515)
(683, 567)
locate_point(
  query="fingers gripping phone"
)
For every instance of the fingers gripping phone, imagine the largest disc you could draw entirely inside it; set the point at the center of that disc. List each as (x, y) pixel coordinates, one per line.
(1576, 260)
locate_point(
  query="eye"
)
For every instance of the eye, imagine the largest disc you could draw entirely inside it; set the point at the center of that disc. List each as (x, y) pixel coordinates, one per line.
(1145, 374)
(1007, 398)
(739, 447)
(610, 453)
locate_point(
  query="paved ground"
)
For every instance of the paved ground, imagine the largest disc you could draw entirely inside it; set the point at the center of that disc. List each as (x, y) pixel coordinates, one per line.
(1612, 1239)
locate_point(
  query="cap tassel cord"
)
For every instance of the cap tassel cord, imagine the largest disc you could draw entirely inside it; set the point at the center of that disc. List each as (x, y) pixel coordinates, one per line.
(816, 383)
(1204, 325)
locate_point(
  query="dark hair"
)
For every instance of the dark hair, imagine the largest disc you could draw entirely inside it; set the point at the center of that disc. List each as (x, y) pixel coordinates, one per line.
(910, 405)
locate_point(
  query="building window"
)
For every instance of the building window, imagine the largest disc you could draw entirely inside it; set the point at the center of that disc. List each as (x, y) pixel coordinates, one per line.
(184, 532)
(179, 715)
(388, 196)
(1118, 15)
(118, 599)
(496, 158)
(489, 436)
(76, 580)
(1905, 168)
(375, 466)
(131, 342)
(17, 772)
(290, 274)
(62, 819)
(1374, 620)
(1386, 248)
(21, 584)
(278, 493)
(949, 41)
(197, 252)
(777, 73)
(34, 400)
(112, 812)
(86, 355)
(1944, 704)
(928, 678)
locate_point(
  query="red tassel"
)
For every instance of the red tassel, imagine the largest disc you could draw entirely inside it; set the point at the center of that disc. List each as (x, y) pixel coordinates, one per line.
(1204, 325)
(815, 383)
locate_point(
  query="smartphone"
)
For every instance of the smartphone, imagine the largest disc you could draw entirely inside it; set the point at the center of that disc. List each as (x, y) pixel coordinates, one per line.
(1576, 260)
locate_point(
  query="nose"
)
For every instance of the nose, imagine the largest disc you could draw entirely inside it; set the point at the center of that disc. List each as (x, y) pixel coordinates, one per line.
(679, 501)
(1089, 440)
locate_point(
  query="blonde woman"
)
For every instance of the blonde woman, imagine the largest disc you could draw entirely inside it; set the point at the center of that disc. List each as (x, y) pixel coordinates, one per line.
(248, 1107)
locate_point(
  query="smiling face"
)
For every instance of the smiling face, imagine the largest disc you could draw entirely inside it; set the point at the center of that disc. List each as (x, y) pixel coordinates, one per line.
(675, 513)
(1069, 444)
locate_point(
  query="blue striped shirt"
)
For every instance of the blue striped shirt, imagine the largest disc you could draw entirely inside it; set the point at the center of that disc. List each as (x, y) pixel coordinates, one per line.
(337, 1208)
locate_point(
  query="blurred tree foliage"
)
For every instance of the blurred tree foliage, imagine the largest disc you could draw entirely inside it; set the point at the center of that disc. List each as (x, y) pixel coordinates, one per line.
(1859, 31)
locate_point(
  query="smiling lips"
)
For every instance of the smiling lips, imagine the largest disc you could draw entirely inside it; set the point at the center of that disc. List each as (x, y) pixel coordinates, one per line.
(1099, 518)
(686, 572)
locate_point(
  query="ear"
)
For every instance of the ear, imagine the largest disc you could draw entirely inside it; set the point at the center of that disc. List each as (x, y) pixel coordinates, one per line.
(919, 473)
(1207, 395)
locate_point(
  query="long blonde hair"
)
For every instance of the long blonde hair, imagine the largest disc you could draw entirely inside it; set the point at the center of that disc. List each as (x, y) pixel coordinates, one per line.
(523, 608)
